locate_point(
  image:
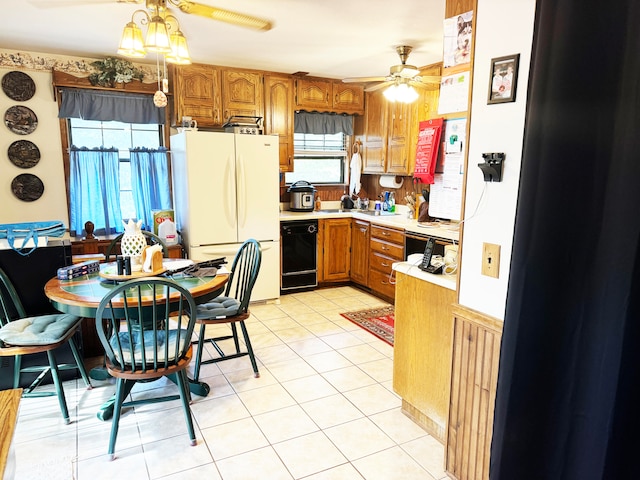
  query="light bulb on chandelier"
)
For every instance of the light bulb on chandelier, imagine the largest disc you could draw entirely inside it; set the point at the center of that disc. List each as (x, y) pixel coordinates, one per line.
(172, 46)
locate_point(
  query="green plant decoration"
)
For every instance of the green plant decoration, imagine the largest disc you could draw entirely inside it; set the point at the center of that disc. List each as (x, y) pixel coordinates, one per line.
(114, 70)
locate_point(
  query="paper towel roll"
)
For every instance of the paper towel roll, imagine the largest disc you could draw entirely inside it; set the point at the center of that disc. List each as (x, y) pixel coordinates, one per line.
(389, 181)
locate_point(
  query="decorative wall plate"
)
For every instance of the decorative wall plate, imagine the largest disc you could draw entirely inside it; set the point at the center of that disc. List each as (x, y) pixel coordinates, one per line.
(20, 119)
(18, 86)
(27, 187)
(24, 154)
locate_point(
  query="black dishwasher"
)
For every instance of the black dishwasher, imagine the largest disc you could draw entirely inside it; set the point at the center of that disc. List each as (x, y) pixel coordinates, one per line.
(298, 245)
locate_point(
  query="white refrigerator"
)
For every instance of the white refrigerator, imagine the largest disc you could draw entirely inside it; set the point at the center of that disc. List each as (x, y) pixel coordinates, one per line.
(226, 189)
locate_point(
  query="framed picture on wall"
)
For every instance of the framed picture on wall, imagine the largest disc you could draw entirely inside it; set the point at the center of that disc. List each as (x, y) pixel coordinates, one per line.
(503, 79)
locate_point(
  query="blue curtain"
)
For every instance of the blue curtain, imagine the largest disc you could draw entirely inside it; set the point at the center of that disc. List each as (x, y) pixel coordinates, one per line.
(150, 183)
(94, 190)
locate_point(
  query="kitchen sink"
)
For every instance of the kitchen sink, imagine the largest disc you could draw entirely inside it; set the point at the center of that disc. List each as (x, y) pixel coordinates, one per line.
(377, 213)
(365, 212)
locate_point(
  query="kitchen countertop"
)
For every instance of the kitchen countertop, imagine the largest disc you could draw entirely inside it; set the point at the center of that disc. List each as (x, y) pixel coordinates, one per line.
(449, 231)
(443, 280)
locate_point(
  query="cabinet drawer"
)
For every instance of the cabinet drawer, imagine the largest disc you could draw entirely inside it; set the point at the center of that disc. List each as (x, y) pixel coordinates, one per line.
(382, 263)
(380, 283)
(386, 248)
(388, 234)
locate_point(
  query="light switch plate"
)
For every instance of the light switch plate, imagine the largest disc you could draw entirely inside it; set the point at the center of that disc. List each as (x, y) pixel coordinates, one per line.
(490, 260)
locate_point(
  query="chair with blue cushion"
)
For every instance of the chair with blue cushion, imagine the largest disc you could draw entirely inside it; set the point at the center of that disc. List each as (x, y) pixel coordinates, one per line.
(22, 335)
(231, 308)
(145, 326)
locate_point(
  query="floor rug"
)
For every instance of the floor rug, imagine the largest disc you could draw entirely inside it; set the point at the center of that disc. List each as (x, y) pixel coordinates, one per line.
(378, 321)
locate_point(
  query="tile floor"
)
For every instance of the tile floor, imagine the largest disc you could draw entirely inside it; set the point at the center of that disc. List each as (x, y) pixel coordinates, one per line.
(322, 409)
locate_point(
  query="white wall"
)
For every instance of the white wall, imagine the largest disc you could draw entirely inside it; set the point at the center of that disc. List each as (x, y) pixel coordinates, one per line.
(52, 205)
(504, 27)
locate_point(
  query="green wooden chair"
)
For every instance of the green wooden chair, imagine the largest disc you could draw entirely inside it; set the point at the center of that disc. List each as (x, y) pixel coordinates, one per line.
(232, 308)
(152, 239)
(22, 335)
(145, 326)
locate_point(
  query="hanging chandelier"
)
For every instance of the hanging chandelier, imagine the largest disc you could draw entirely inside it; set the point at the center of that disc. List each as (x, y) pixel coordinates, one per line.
(163, 35)
(164, 38)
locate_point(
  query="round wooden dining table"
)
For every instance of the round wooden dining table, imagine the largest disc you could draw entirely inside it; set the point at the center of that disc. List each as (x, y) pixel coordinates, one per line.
(81, 296)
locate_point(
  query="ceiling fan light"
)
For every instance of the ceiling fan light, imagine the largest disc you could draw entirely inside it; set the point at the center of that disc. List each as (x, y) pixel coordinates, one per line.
(131, 43)
(179, 54)
(406, 93)
(391, 93)
(157, 36)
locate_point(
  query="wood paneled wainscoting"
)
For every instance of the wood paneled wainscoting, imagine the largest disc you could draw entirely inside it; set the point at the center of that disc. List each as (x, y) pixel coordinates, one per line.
(474, 375)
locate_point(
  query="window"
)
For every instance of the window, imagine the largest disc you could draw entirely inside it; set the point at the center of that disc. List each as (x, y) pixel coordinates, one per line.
(123, 136)
(319, 158)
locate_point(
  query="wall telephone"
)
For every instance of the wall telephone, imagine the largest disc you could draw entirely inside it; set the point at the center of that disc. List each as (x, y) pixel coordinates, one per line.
(426, 258)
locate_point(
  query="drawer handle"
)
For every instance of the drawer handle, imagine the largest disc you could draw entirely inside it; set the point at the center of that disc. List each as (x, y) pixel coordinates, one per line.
(386, 234)
(385, 248)
(384, 264)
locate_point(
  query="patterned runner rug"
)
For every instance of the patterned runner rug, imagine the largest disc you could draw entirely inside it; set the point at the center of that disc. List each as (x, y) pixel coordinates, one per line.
(378, 321)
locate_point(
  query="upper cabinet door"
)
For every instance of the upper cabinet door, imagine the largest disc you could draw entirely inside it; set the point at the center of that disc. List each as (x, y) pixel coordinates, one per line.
(197, 94)
(348, 98)
(278, 115)
(313, 93)
(324, 95)
(241, 94)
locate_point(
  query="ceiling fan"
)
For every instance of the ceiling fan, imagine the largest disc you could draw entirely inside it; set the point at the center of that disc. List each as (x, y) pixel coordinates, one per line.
(399, 74)
(185, 6)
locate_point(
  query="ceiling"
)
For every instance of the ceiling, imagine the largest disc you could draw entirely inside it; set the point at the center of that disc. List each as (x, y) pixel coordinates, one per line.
(326, 38)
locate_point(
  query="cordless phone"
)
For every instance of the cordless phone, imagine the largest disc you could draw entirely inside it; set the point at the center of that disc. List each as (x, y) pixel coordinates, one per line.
(426, 258)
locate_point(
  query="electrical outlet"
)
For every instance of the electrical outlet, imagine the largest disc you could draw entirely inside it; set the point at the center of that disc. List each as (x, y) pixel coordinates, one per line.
(490, 260)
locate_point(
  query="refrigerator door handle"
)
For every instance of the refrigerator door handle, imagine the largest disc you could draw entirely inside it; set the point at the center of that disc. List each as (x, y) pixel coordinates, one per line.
(242, 193)
(229, 210)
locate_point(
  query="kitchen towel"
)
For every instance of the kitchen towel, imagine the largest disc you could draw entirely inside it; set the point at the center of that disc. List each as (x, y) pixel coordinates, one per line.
(356, 167)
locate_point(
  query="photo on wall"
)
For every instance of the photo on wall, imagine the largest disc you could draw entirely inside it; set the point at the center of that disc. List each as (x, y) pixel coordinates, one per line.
(458, 37)
(503, 79)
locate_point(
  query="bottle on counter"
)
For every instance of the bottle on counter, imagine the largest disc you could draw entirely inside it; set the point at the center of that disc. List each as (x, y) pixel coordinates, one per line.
(318, 204)
(167, 232)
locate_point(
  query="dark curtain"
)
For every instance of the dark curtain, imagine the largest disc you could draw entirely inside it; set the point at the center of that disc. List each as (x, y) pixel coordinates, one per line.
(110, 106)
(322, 123)
(567, 400)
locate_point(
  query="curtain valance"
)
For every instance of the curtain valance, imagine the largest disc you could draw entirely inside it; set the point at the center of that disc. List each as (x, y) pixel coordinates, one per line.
(323, 123)
(110, 106)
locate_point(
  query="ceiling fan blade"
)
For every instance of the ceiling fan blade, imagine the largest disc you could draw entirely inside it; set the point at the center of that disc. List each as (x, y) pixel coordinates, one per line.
(379, 86)
(364, 79)
(222, 15)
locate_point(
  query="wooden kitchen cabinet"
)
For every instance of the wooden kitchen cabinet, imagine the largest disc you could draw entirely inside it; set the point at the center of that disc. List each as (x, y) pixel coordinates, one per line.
(384, 130)
(386, 247)
(278, 115)
(348, 98)
(334, 249)
(360, 252)
(242, 93)
(197, 94)
(325, 95)
(422, 354)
